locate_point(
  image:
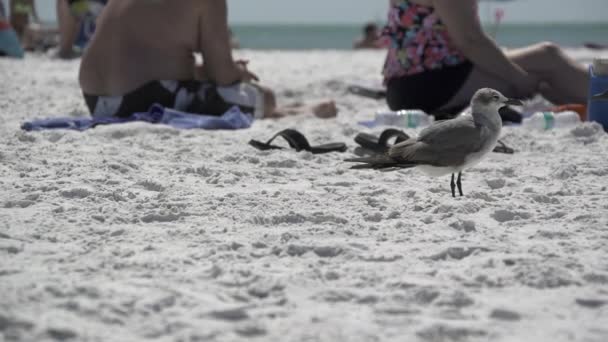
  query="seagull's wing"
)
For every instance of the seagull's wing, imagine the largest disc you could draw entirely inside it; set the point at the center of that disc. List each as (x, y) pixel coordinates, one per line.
(454, 132)
(446, 143)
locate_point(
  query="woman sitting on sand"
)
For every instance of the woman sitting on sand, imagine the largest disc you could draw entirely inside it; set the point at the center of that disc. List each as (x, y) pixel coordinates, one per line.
(439, 56)
(142, 53)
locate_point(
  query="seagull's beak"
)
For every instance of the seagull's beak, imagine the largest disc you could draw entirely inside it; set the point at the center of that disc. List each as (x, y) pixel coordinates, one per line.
(513, 102)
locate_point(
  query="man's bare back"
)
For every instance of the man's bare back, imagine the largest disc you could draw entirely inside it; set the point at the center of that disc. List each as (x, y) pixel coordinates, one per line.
(138, 41)
(143, 53)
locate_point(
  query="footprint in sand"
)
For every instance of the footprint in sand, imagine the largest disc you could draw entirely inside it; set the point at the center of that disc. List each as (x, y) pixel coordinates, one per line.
(76, 193)
(234, 314)
(503, 215)
(441, 332)
(505, 315)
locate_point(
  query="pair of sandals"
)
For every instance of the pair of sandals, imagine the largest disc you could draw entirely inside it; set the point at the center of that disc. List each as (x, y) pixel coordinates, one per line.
(374, 144)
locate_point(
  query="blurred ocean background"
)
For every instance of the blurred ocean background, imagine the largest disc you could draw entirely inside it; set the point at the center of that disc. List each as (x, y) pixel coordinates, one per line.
(334, 24)
(293, 37)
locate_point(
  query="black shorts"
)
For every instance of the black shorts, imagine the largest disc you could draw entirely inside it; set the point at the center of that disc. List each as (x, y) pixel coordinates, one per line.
(188, 96)
(428, 90)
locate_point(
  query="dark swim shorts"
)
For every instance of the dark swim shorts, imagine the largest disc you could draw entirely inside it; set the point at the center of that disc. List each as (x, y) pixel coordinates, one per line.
(188, 96)
(428, 90)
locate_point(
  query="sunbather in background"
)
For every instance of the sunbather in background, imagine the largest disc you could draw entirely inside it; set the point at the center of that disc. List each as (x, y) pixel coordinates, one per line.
(439, 56)
(25, 21)
(370, 38)
(21, 13)
(77, 21)
(143, 53)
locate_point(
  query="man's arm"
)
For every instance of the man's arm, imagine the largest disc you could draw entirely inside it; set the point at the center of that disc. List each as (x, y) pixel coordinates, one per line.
(214, 44)
(462, 21)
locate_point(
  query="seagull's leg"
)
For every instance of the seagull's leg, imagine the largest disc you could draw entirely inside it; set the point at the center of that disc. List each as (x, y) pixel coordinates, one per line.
(459, 183)
(453, 186)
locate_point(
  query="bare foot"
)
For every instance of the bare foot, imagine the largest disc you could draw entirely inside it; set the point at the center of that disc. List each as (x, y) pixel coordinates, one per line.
(325, 110)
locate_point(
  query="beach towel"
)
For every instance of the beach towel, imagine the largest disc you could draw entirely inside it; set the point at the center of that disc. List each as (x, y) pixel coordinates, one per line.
(232, 119)
(9, 42)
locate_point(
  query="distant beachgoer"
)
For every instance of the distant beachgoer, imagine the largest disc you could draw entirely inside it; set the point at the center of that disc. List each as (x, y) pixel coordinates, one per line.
(21, 13)
(77, 20)
(439, 56)
(24, 20)
(371, 38)
(138, 57)
(596, 46)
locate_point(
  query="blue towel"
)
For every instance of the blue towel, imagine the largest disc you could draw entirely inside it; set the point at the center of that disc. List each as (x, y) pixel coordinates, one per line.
(232, 119)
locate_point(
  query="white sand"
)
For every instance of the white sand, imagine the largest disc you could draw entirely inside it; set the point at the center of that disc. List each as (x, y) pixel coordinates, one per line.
(140, 232)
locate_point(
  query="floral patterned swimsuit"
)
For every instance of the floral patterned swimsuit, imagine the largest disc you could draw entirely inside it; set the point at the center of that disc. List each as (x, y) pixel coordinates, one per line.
(423, 69)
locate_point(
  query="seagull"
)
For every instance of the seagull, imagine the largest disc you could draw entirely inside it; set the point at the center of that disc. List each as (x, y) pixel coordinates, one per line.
(450, 146)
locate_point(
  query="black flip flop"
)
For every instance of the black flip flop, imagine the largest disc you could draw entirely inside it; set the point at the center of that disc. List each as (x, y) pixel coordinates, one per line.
(380, 144)
(298, 142)
(372, 93)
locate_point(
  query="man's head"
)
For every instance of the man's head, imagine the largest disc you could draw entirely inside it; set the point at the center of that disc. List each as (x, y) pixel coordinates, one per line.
(370, 31)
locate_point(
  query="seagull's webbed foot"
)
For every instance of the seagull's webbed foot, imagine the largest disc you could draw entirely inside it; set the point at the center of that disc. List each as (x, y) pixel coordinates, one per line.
(458, 183)
(453, 186)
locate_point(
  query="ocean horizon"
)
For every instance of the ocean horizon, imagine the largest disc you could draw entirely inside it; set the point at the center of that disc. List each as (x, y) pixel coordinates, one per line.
(305, 36)
(341, 37)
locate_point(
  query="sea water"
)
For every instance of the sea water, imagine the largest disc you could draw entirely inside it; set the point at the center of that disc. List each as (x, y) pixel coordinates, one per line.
(328, 36)
(301, 37)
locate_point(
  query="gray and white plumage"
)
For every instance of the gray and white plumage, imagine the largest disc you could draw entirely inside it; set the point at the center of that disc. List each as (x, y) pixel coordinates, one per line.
(451, 146)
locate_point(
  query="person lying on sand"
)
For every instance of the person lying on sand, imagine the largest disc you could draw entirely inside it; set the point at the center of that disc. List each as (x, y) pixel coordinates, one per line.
(370, 39)
(439, 56)
(143, 53)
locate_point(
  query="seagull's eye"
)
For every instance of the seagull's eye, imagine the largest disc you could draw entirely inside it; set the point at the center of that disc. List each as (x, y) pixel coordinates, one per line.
(495, 97)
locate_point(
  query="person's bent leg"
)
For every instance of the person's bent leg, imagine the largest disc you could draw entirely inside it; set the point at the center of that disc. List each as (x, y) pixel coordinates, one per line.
(68, 29)
(326, 109)
(567, 81)
(252, 98)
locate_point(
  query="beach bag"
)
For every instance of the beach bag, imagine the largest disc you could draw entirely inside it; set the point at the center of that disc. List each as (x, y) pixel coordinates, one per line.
(9, 42)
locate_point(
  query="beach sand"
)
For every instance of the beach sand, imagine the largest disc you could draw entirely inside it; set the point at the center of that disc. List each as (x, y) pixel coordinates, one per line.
(138, 231)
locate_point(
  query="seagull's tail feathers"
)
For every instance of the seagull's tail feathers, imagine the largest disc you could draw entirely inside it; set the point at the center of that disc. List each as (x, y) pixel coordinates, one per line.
(377, 163)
